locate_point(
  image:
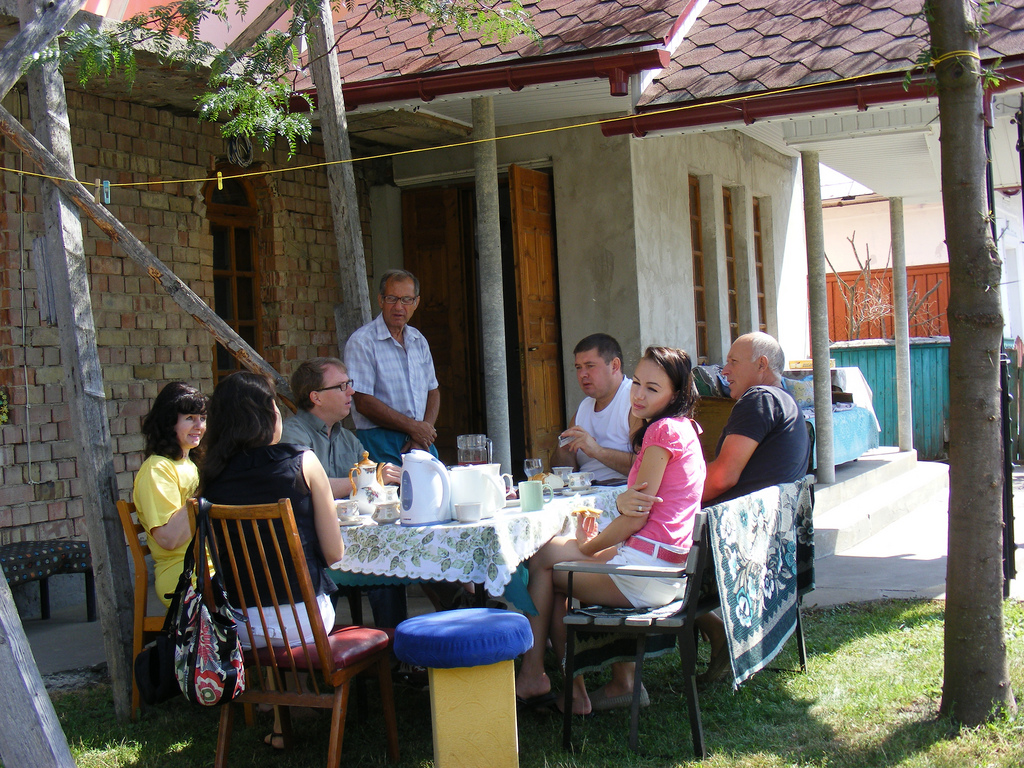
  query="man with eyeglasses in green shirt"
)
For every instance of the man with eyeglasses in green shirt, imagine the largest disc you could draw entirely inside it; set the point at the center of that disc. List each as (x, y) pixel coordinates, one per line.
(396, 397)
(323, 394)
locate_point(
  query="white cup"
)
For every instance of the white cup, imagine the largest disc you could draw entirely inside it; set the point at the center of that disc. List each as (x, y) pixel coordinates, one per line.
(579, 481)
(467, 511)
(347, 509)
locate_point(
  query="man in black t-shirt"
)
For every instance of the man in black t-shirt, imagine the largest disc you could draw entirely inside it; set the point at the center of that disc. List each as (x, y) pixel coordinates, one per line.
(765, 441)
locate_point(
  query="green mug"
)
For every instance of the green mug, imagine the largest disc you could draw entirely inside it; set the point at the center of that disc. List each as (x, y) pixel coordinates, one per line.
(532, 495)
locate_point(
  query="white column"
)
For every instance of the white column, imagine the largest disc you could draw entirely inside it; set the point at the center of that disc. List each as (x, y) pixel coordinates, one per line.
(901, 325)
(492, 302)
(814, 232)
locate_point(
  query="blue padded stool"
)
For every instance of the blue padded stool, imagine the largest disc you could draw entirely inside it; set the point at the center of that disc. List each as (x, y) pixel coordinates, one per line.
(468, 654)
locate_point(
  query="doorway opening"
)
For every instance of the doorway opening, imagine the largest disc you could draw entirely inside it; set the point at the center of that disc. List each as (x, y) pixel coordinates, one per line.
(439, 242)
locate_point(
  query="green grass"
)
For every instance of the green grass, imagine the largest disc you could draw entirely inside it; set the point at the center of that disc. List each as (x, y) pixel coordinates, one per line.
(869, 698)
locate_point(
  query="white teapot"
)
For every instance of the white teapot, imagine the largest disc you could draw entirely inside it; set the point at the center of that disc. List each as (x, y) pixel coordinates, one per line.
(367, 484)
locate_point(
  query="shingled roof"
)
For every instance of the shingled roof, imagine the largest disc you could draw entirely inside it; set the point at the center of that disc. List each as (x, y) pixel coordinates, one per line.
(734, 47)
(749, 46)
(371, 47)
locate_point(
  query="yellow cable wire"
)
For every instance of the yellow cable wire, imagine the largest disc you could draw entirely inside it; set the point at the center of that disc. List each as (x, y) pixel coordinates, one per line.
(524, 134)
(955, 54)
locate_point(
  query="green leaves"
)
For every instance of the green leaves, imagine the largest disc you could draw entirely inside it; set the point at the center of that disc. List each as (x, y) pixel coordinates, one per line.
(252, 90)
(490, 20)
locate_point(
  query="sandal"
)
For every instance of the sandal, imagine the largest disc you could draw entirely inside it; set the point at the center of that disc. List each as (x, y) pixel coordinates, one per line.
(274, 740)
(719, 663)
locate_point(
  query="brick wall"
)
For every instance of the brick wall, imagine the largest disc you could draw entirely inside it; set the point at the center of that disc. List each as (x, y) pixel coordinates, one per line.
(144, 338)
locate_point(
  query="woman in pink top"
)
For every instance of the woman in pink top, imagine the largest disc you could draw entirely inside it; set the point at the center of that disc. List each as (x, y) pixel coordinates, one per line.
(670, 467)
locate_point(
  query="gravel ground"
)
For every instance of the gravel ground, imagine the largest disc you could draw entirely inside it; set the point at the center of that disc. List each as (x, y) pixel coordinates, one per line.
(74, 679)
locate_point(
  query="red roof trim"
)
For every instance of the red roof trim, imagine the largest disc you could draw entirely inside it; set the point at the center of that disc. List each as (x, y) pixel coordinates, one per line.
(616, 68)
(885, 89)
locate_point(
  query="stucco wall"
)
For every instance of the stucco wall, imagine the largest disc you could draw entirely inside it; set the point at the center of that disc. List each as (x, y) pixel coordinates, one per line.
(1010, 226)
(144, 338)
(868, 225)
(622, 225)
(660, 170)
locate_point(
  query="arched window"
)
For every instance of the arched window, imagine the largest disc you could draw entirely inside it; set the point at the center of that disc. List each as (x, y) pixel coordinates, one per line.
(234, 224)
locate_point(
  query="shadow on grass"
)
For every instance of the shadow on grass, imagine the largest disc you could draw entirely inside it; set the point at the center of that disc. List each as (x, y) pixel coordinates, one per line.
(826, 717)
(775, 718)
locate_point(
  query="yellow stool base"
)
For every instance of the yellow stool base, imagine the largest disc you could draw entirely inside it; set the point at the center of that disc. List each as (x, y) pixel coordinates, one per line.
(474, 716)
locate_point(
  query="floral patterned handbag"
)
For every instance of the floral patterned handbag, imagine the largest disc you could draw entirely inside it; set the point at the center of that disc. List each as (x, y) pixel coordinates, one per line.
(208, 658)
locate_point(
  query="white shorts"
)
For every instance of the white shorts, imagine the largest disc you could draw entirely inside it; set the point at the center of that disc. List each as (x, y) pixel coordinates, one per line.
(644, 591)
(324, 603)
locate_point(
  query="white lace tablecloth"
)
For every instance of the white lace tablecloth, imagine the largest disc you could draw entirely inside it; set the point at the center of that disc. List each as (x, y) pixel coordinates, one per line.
(486, 552)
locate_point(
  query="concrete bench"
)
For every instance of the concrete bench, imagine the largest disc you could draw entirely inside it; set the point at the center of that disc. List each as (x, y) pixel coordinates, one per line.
(26, 561)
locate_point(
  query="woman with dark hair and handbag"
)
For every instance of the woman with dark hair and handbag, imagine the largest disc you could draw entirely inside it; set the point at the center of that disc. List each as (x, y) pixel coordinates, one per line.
(669, 468)
(245, 464)
(169, 477)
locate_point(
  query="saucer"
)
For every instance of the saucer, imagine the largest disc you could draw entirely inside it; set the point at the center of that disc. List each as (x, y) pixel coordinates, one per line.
(346, 521)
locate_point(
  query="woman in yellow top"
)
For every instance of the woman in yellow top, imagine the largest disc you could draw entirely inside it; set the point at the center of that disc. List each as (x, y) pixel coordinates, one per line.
(168, 478)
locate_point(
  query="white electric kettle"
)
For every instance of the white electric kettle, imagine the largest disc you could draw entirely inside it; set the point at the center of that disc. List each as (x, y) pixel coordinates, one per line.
(426, 490)
(481, 482)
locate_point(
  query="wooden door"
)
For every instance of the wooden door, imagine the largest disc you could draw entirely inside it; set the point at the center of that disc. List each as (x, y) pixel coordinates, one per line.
(437, 244)
(540, 352)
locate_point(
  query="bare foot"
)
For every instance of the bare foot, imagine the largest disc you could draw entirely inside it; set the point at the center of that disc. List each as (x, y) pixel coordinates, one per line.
(580, 698)
(527, 687)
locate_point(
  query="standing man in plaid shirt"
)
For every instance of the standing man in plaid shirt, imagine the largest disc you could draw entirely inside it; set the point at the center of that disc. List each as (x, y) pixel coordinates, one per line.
(396, 397)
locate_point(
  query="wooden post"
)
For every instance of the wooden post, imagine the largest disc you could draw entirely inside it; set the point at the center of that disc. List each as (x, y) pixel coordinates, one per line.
(83, 377)
(31, 734)
(34, 35)
(183, 296)
(341, 180)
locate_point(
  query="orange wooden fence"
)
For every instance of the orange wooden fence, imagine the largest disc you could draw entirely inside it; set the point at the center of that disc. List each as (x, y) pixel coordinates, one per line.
(872, 310)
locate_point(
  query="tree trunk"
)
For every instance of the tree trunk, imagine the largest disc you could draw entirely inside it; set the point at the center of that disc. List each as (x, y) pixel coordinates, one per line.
(83, 376)
(976, 682)
(31, 734)
(341, 181)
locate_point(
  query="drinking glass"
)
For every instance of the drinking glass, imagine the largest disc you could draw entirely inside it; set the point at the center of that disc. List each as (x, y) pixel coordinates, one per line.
(533, 467)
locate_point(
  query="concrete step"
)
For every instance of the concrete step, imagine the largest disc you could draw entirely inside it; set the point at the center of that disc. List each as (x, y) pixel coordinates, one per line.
(879, 497)
(856, 477)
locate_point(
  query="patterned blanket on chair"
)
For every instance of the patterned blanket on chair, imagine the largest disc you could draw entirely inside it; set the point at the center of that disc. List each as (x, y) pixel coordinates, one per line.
(754, 540)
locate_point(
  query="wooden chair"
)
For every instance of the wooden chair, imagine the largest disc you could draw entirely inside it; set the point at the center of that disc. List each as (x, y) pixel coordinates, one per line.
(145, 626)
(256, 544)
(677, 618)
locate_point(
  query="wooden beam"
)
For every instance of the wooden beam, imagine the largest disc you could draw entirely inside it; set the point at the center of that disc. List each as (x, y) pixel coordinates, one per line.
(263, 22)
(83, 376)
(31, 734)
(355, 309)
(402, 118)
(138, 252)
(34, 35)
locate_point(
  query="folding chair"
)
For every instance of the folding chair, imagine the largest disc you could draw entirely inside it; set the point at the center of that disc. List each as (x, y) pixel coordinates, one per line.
(676, 618)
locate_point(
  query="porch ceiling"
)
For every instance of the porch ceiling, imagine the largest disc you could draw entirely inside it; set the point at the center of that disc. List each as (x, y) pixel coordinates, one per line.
(894, 149)
(532, 104)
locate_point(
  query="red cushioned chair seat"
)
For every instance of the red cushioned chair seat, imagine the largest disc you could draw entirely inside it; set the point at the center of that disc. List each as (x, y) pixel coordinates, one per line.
(349, 646)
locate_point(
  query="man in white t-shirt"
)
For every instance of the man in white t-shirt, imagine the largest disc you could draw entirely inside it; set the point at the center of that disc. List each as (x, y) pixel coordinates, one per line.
(597, 439)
